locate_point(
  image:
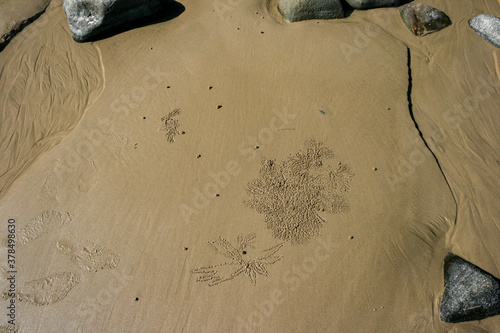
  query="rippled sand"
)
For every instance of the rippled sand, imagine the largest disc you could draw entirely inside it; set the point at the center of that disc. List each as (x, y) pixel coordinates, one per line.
(155, 166)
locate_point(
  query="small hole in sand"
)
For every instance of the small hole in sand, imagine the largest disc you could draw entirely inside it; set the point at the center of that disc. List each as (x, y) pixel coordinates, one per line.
(257, 147)
(168, 87)
(183, 132)
(136, 299)
(219, 107)
(375, 169)
(244, 252)
(210, 87)
(185, 249)
(198, 156)
(217, 195)
(352, 237)
(143, 117)
(262, 32)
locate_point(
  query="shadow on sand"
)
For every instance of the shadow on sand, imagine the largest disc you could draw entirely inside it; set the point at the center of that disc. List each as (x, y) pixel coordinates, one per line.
(171, 10)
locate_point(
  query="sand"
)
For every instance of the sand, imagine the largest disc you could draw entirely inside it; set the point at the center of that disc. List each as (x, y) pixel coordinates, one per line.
(15, 15)
(132, 159)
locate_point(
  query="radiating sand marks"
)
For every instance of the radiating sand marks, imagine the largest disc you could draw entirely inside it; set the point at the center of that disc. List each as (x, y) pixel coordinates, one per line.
(341, 178)
(337, 184)
(47, 222)
(88, 255)
(247, 264)
(293, 193)
(47, 83)
(171, 125)
(47, 290)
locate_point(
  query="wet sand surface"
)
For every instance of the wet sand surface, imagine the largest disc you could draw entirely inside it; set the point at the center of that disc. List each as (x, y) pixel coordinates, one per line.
(228, 171)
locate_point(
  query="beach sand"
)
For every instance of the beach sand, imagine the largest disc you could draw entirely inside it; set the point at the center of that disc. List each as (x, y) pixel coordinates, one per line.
(138, 217)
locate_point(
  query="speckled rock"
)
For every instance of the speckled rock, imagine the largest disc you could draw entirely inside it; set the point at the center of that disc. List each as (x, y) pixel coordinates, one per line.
(299, 10)
(488, 27)
(90, 18)
(469, 292)
(423, 19)
(368, 4)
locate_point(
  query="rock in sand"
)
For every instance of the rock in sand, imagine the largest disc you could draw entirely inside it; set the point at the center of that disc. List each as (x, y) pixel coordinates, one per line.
(469, 292)
(90, 18)
(423, 19)
(488, 27)
(299, 10)
(368, 4)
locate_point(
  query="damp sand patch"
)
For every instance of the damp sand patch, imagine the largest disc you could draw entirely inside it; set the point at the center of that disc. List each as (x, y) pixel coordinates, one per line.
(47, 82)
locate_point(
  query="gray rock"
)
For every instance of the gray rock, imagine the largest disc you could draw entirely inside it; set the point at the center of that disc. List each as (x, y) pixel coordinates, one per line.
(88, 19)
(469, 292)
(488, 27)
(299, 10)
(368, 4)
(423, 19)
